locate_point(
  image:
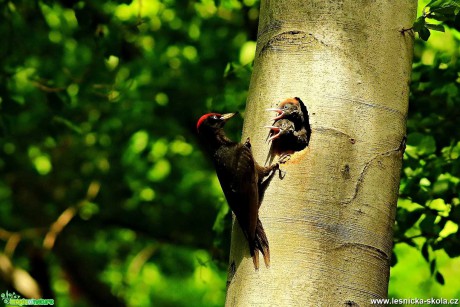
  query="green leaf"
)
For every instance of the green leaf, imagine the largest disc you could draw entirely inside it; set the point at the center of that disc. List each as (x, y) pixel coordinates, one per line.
(408, 204)
(425, 252)
(424, 33)
(230, 4)
(428, 226)
(419, 24)
(227, 69)
(444, 183)
(445, 10)
(453, 152)
(410, 243)
(439, 278)
(434, 27)
(406, 219)
(434, 3)
(439, 205)
(442, 17)
(425, 144)
(451, 245)
(432, 266)
(219, 223)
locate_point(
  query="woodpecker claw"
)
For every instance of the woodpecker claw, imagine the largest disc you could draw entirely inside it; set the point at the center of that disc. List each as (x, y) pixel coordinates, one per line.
(284, 158)
(282, 174)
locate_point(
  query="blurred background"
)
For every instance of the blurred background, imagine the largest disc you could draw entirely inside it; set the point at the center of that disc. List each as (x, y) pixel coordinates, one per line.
(105, 195)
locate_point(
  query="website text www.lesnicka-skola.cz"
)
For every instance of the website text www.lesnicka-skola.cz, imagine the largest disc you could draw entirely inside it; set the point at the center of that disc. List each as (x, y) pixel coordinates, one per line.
(415, 301)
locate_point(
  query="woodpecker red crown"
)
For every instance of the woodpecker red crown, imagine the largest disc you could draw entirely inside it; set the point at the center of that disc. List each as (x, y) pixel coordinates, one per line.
(203, 118)
(289, 100)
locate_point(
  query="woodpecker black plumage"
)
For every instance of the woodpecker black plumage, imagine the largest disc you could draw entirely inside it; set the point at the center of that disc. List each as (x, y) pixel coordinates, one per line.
(290, 131)
(242, 179)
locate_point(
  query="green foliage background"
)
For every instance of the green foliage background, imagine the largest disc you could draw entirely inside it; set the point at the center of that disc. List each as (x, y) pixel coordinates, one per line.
(98, 104)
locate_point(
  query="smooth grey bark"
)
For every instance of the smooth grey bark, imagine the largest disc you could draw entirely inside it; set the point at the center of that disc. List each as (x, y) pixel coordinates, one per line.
(329, 222)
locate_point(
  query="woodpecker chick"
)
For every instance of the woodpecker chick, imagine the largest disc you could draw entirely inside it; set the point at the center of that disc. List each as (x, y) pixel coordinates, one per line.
(283, 136)
(242, 179)
(280, 128)
(294, 110)
(294, 129)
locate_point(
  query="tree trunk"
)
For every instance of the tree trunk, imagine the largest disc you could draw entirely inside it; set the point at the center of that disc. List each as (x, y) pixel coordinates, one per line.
(329, 222)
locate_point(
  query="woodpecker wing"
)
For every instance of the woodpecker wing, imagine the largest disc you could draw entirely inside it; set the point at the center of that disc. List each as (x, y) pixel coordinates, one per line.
(306, 120)
(245, 186)
(235, 169)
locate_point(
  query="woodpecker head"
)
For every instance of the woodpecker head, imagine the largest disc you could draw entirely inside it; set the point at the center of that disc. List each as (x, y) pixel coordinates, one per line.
(212, 122)
(210, 129)
(286, 108)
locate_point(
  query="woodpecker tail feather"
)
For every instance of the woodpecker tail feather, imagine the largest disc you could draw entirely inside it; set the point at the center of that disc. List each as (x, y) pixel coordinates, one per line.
(253, 250)
(271, 155)
(255, 259)
(262, 244)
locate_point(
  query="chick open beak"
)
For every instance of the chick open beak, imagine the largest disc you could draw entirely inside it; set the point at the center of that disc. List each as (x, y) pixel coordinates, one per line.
(276, 131)
(279, 111)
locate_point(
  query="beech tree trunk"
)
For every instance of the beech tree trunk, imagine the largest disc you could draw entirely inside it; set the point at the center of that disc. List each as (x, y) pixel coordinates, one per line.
(329, 221)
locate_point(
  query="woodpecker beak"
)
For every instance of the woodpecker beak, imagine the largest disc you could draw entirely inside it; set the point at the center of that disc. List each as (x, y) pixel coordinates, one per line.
(279, 111)
(227, 116)
(273, 128)
(275, 136)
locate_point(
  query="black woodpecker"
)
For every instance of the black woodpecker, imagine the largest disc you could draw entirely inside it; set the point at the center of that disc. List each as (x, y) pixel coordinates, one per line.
(242, 179)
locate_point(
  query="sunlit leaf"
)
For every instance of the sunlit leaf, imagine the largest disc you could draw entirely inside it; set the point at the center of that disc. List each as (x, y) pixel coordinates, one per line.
(424, 144)
(439, 205)
(247, 52)
(160, 170)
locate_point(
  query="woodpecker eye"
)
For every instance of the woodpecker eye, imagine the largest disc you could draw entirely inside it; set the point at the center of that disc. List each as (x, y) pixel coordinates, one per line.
(215, 117)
